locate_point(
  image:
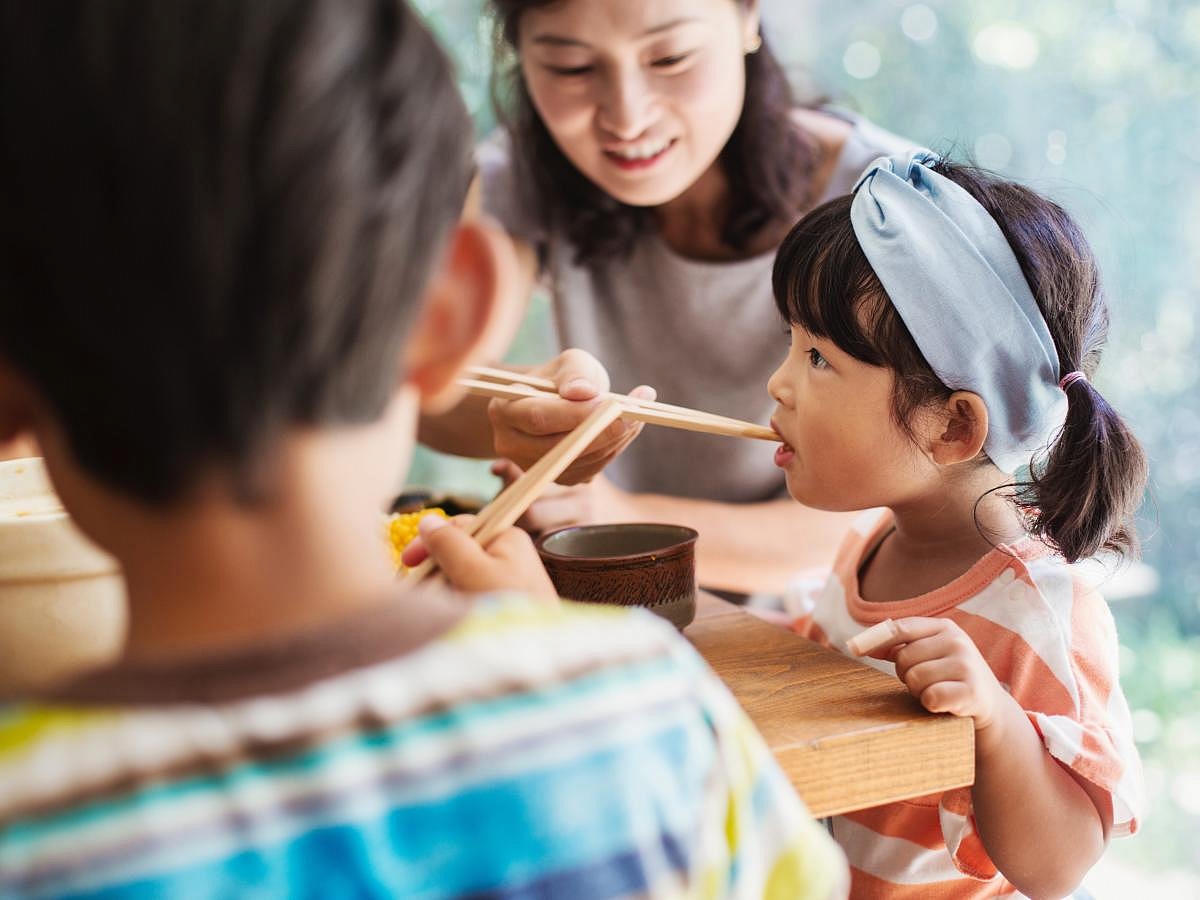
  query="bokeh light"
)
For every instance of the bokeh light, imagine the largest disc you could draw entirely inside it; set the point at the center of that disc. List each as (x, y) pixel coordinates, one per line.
(862, 60)
(1007, 45)
(919, 22)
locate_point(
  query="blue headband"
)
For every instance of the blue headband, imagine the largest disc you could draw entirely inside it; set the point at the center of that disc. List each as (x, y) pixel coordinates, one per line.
(955, 282)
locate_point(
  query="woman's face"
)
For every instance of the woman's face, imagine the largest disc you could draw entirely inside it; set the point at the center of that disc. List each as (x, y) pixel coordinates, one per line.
(641, 95)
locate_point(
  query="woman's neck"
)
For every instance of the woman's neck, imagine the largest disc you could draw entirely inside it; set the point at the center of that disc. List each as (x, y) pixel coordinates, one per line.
(692, 224)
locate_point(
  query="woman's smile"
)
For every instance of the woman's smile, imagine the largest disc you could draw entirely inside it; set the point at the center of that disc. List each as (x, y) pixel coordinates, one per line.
(638, 156)
(639, 97)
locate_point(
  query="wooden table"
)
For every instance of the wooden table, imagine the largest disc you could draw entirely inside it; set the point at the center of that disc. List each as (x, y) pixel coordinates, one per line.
(848, 736)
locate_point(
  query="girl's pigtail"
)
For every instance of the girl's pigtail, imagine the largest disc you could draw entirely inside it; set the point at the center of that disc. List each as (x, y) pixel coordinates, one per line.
(1082, 497)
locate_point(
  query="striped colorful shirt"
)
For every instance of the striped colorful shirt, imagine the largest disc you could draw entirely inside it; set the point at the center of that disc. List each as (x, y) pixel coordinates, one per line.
(526, 751)
(1050, 640)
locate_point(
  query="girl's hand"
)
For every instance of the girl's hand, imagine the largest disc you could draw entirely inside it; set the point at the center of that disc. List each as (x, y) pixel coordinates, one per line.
(524, 430)
(508, 563)
(944, 669)
(598, 500)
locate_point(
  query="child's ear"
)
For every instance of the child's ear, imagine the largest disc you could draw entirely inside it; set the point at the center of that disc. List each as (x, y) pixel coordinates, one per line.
(470, 313)
(959, 430)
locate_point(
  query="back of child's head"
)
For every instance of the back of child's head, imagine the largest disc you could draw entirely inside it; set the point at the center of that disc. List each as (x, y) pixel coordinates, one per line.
(220, 218)
(1085, 481)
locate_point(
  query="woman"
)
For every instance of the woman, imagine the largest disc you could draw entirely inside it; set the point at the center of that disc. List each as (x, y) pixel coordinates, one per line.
(652, 159)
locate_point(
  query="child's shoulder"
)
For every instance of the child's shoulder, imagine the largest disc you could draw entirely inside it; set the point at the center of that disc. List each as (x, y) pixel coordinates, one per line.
(503, 645)
(512, 609)
(511, 670)
(524, 641)
(1040, 613)
(1026, 589)
(1029, 574)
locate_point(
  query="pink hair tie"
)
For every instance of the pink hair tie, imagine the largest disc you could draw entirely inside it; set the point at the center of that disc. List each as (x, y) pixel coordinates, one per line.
(1070, 378)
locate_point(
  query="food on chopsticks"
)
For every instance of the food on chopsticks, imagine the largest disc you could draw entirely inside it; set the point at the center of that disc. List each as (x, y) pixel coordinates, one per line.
(401, 528)
(511, 503)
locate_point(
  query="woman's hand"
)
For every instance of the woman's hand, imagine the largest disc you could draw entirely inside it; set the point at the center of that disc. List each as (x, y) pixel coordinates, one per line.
(524, 430)
(588, 503)
(942, 667)
(509, 562)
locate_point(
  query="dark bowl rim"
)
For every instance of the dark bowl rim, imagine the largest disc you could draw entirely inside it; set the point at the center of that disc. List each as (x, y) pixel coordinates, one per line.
(690, 537)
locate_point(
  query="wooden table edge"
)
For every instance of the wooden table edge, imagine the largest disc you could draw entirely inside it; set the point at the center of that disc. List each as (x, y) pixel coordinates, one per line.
(953, 768)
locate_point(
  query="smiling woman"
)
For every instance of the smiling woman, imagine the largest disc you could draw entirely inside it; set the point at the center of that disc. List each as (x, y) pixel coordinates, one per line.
(629, 105)
(650, 159)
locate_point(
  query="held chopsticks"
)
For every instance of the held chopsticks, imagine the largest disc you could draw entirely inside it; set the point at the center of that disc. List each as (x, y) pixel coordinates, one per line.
(510, 503)
(488, 382)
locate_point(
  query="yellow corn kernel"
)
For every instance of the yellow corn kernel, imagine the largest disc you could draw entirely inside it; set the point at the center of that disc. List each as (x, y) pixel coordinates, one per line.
(401, 528)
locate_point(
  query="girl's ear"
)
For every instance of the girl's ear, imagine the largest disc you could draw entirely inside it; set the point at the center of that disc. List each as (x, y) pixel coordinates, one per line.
(958, 429)
(471, 313)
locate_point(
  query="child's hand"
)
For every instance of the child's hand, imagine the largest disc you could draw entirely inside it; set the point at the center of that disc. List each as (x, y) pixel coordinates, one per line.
(508, 562)
(943, 669)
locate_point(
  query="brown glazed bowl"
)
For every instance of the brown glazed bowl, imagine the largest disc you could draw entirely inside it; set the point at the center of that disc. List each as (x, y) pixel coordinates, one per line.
(633, 564)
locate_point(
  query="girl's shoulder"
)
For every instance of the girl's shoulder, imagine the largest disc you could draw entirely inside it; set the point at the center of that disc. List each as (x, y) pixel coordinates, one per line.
(1054, 581)
(1038, 603)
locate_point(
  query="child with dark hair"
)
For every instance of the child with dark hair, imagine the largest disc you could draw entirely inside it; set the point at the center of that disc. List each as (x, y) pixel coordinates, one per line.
(232, 273)
(945, 326)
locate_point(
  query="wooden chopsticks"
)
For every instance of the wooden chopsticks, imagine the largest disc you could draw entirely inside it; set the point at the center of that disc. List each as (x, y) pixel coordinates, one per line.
(489, 382)
(510, 503)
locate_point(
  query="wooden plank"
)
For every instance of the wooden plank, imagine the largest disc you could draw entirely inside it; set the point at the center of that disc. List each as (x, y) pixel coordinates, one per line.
(848, 736)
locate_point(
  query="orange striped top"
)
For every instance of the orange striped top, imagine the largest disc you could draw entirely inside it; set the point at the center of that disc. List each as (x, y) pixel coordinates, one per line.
(1050, 639)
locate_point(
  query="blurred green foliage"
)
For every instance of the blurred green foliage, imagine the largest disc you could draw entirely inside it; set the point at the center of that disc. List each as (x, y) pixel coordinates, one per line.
(1096, 103)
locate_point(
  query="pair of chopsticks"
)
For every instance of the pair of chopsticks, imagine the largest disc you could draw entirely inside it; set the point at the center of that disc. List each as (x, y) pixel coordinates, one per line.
(510, 503)
(486, 382)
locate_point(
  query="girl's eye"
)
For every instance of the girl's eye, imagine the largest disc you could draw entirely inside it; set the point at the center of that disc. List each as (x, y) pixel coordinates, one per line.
(570, 71)
(816, 360)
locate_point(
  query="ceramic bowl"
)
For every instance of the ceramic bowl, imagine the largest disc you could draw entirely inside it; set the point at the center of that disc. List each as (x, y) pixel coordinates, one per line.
(634, 564)
(62, 599)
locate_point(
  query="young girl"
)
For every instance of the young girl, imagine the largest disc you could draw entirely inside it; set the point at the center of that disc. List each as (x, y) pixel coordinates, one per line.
(944, 328)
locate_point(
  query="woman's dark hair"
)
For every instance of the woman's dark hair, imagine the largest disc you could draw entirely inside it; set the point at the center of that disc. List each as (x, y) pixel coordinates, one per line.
(768, 160)
(219, 220)
(1083, 490)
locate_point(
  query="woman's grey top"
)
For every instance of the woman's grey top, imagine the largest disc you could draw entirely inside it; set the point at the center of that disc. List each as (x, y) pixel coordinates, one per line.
(706, 335)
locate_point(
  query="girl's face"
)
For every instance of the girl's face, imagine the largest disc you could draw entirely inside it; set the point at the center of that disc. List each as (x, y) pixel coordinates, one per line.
(842, 449)
(640, 95)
